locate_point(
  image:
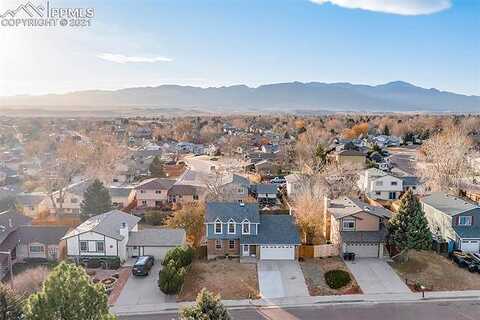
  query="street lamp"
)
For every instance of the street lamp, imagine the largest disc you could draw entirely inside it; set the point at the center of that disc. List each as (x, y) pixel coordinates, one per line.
(9, 265)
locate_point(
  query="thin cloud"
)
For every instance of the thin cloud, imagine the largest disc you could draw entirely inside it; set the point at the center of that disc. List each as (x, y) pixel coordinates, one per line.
(401, 7)
(120, 58)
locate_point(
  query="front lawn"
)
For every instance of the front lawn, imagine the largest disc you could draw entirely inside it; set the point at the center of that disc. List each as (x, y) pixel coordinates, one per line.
(314, 270)
(436, 272)
(230, 278)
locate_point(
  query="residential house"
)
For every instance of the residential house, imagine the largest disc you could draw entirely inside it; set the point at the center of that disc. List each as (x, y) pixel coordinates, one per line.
(24, 241)
(116, 234)
(122, 197)
(32, 204)
(234, 187)
(153, 193)
(453, 220)
(351, 158)
(183, 193)
(71, 200)
(294, 184)
(357, 227)
(380, 185)
(265, 193)
(238, 229)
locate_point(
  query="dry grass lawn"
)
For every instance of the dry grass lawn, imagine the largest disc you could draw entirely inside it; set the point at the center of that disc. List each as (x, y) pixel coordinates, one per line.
(314, 270)
(230, 278)
(436, 272)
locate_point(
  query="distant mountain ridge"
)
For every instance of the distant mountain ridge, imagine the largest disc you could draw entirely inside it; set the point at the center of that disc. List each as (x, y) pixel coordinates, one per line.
(392, 96)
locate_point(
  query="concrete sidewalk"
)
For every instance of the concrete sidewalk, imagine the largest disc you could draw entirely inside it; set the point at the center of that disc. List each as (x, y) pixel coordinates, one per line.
(305, 301)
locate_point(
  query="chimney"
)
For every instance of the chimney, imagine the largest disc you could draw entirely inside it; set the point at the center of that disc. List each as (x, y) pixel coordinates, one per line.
(124, 230)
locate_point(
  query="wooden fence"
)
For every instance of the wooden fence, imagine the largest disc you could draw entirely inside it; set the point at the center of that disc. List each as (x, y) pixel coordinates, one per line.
(318, 251)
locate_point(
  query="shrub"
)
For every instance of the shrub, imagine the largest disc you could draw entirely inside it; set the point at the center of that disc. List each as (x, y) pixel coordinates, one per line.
(30, 280)
(181, 256)
(337, 279)
(170, 278)
(155, 217)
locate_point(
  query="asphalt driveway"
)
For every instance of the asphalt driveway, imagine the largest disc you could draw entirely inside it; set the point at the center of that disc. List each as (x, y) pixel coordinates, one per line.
(143, 290)
(281, 278)
(376, 276)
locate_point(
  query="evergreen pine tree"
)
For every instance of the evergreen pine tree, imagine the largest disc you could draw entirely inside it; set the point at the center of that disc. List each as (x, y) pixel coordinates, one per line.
(207, 306)
(386, 130)
(409, 228)
(96, 200)
(156, 168)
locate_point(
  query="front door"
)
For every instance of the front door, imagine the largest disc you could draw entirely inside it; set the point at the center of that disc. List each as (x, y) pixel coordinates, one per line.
(246, 250)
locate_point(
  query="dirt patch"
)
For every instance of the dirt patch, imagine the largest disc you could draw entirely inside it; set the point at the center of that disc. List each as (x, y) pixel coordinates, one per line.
(230, 278)
(436, 272)
(314, 270)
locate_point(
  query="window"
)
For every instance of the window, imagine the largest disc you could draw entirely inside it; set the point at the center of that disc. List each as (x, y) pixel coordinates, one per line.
(36, 248)
(394, 183)
(245, 227)
(142, 191)
(218, 244)
(378, 193)
(465, 221)
(100, 246)
(231, 244)
(84, 246)
(218, 227)
(231, 227)
(158, 191)
(348, 225)
(144, 202)
(195, 197)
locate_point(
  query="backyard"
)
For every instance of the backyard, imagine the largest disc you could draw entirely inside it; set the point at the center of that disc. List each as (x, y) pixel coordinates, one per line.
(314, 270)
(229, 278)
(436, 272)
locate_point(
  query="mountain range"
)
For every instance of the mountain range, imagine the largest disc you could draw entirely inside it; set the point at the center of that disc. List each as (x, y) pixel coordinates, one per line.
(397, 96)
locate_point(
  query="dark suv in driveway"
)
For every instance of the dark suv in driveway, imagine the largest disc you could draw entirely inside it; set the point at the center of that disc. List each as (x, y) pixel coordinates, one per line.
(143, 265)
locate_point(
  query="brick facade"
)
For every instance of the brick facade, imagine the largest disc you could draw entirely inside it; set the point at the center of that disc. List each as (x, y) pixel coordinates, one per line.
(213, 251)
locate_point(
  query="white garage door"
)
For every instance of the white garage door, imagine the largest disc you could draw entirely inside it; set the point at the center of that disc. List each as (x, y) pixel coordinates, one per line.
(363, 250)
(157, 252)
(470, 245)
(277, 252)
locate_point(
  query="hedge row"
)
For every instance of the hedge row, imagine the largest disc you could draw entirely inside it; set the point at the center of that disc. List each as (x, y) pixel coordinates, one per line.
(172, 275)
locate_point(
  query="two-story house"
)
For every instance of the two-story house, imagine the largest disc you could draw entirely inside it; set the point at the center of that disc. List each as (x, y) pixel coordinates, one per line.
(153, 193)
(69, 199)
(238, 229)
(265, 193)
(357, 227)
(116, 234)
(234, 187)
(453, 220)
(380, 185)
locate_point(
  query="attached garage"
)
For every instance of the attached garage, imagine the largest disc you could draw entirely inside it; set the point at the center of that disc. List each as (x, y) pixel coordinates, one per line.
(363, 250)
(277, 252)
(154, 242)
(470, 245)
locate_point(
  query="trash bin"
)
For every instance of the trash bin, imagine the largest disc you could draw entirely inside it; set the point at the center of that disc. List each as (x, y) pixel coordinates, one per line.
(346, 256)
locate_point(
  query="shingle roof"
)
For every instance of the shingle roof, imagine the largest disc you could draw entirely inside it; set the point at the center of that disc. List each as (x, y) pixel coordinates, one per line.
(155, 184)
(11, 220)
(80, 187)
(185, 190)
(467, 232)
(30, 199)
(108, 224)
(274, 229)
(157, 237)
(266, 188)
(345, 206)
(48, 235)
(227, 210)
(364, 236)
(448, 204)
(120, 191)
(410, 181)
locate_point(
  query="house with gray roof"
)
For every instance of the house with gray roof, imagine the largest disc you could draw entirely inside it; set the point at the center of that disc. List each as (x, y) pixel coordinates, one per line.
(356, 227)
(265, 193)
(116, 234)
(454, 220)
(121, 196)
(238, 229)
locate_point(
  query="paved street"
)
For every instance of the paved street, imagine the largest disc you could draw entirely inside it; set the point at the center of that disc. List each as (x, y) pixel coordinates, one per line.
(456, 310)
(376, 276)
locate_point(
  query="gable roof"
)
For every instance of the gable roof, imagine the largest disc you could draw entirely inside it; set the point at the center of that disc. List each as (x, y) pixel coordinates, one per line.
(155, 184)
(108, 224)
(79, 188)
(274, 229)
(448, 204)
(266, 188)
(120, 191)
(11, 220)
(162, 237)
(346, 206)
(48, 235)
(227, 210)
(185, 190)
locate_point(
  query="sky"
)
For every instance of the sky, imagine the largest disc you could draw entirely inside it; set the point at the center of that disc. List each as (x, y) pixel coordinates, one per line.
(430, 43)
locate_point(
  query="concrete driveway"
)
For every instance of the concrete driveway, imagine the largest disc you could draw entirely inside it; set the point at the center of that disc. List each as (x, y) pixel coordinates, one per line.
(376, 276)
(281, 278)
(143, 290)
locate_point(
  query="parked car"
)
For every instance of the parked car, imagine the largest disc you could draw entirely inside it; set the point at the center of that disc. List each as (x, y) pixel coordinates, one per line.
(474, 266)
(278, 180)
(143, 265)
